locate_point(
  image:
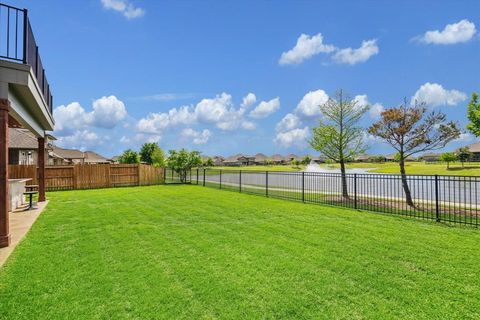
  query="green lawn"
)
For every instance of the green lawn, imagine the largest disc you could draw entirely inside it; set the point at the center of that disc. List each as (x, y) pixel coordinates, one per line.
(189, 252)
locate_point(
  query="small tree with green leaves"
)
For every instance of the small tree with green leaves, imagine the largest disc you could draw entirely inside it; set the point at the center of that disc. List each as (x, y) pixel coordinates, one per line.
(208, 163)
(306, 160)
(182, 161)
(147, 150)
(158, 158)
(473, 115)
(129, 156)
(338, 136)
(464, 154)
(448, 157)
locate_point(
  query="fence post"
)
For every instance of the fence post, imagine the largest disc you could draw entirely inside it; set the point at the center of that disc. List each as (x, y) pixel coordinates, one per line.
(164, 175)
(437, 208)
(197, 176)
(204, 170)
(220, 178)
(355, 189)
(303, 186)
(240, 180)
(266, 183)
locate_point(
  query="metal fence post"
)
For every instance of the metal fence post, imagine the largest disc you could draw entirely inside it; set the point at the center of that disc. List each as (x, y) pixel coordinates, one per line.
(266, 183)
(355, 189)
(240, 180)
(204, 170)
(220, 178)
(303, 186)
(437, 208)
(25, 36)
(197, 176)
(164, 175)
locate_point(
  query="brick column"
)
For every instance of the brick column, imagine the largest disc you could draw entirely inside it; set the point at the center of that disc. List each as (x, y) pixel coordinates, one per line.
(41, 169)
(4, 195)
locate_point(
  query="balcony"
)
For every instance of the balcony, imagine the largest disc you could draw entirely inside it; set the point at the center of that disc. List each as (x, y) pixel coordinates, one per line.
(18, 45)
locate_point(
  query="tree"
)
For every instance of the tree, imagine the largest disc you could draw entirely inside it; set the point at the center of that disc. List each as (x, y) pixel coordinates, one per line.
(448, 157)
(464, 154)
(158, 158)
(182, 161)
(473, 115)
(147, 151)
(306, 160)
(129, 156)
(378, 159)
(209, 163)
(410, 130)
(337, 136)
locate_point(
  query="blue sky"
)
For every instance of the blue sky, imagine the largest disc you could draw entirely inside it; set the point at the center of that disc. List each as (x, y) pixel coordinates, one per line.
(220, 76)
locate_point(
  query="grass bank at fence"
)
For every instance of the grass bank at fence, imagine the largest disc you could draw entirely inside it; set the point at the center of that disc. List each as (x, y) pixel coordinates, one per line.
(190, 252)
(421, 168)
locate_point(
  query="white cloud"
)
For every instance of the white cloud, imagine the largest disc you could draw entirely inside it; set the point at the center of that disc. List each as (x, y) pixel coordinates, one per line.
(289, 122)
(296, 137)
(197, 137)
(309, 106)
(219, 111)
(459, 32)
(248, 125)
(375, 110)
(107, 112)
(128, 10)
(465, 137)
(80, 139)
(306, 47)
(433, 94)
(248, 100)
(157, 122)
(265, 108)
(69, 118)
(351, 56)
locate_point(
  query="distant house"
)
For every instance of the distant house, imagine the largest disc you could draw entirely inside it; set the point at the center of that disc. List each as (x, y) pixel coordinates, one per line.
(94, 158)
(71, 156)
(278, 159)
(23, 148)
(475, 149)
(218, 161)
(319, 159)
(291, 157)
(390, 157)
(430, 157)
(239, 160)
(260, 159)
(362, 158)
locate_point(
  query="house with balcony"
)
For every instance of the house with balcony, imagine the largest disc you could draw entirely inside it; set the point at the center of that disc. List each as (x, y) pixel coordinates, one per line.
(25, 100)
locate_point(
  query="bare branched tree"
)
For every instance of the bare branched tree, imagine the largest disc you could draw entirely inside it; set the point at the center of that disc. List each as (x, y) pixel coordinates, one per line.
(410, 130)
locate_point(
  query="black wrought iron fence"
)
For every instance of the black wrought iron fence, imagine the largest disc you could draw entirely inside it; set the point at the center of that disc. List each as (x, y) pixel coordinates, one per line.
(177, 176)
(452, 199)
(17, 44)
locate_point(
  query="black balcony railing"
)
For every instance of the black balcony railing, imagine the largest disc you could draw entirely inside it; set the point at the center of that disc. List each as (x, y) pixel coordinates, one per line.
(17, 44)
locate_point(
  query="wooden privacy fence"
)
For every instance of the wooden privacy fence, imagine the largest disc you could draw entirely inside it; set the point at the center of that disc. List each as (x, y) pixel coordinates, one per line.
(91, 176)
